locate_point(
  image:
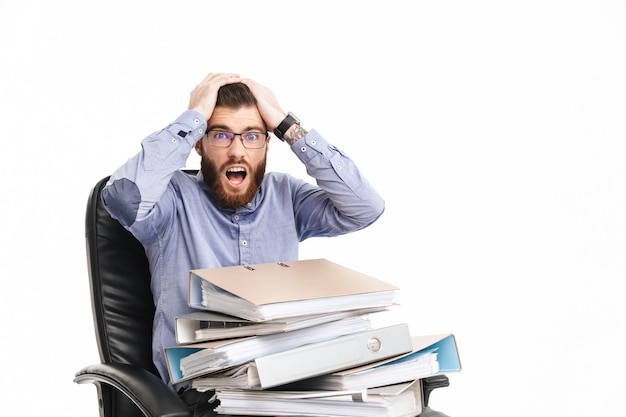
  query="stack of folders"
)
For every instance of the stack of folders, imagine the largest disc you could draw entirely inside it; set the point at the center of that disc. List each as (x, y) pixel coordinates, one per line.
(295, 338)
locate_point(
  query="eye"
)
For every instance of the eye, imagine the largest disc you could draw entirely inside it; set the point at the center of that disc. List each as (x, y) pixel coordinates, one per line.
(251, 136)
(220, 136)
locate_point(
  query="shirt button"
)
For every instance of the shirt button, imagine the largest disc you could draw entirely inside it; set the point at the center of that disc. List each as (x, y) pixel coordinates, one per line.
(313, 142)
(249, 205)
(236, 217)
(196, 121)
(200, 131)
(244, 243)
(173, 140)
(303, 149)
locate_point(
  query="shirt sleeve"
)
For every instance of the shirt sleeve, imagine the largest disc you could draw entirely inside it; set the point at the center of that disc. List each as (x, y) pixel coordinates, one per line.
(343, 201)
(135, 187)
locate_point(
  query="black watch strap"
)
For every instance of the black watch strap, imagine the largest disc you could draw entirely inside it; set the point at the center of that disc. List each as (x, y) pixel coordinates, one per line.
(285, 125)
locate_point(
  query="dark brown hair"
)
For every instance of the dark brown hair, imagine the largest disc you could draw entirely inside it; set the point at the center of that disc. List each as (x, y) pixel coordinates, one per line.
(235, 95)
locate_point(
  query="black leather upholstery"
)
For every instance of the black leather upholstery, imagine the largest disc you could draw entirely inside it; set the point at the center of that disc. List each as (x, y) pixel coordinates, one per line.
(126, 379)
(120, 288)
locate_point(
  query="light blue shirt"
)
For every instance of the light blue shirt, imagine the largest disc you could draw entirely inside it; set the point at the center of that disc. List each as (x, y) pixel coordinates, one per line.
(181, 228)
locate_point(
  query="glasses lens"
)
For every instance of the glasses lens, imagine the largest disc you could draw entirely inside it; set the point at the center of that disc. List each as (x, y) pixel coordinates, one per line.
(253, 140)
(220, 139)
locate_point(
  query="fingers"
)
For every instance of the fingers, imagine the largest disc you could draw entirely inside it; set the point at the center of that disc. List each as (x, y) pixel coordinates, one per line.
(203, 97)
(249, 82)
(221, 78)
(268, 105)
(256, 88)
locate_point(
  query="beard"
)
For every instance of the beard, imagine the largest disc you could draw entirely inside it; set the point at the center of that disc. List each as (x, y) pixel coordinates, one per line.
(226, 198)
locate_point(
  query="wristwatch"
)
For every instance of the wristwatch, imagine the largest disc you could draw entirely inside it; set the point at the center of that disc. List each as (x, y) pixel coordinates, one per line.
(285, 125)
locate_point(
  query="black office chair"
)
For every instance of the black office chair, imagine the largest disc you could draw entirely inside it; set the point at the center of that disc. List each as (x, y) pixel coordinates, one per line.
(126, 380)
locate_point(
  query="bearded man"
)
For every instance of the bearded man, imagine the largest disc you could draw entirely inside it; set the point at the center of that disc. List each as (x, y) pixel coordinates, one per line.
(232, 212)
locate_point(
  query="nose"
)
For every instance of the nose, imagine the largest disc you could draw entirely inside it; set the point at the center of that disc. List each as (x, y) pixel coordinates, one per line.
(236, 147)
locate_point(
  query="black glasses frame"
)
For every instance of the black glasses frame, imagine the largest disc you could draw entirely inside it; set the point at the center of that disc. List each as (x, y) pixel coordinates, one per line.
(234, 135)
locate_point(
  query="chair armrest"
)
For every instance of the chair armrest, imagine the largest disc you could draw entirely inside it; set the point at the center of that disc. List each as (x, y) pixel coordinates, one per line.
(428, 385)
(146, 390)
(431, 383)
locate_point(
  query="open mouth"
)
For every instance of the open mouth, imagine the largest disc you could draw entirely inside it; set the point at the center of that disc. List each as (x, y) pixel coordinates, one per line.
(236, 175)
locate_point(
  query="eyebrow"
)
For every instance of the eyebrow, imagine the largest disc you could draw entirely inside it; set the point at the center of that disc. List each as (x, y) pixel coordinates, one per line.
(228, 129)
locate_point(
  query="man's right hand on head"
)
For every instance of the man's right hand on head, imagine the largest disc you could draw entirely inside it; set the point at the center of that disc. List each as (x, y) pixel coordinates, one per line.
(202, 99)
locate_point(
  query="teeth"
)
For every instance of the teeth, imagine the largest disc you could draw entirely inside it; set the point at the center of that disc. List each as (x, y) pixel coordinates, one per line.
(236, 169)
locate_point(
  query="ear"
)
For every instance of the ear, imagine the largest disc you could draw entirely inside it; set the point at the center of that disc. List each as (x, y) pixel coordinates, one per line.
(198, 147)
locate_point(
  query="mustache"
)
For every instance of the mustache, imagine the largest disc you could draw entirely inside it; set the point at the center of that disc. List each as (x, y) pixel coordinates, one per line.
(236, 161)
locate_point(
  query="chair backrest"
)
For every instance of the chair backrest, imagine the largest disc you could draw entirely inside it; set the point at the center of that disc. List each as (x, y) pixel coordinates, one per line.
(121, 299)
(122, 305)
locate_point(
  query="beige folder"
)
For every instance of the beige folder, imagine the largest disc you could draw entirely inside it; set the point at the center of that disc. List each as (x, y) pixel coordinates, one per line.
(271, 291)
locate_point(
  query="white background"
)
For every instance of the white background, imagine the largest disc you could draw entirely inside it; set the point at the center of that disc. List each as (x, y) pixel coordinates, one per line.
(495, 131)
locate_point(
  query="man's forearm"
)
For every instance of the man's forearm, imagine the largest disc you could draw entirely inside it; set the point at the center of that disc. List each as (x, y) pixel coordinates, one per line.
(355, 203)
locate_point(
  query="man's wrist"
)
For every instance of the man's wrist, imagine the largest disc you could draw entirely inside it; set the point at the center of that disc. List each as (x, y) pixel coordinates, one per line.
(285, 124)
(294, 133)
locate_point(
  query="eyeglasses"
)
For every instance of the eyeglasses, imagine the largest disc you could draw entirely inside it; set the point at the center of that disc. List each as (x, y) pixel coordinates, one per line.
(250, 140)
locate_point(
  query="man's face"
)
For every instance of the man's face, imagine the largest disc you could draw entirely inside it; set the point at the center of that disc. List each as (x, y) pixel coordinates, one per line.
(233, 174)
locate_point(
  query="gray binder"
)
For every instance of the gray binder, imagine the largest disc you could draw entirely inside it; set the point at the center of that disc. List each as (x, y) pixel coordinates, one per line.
(333, 355)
